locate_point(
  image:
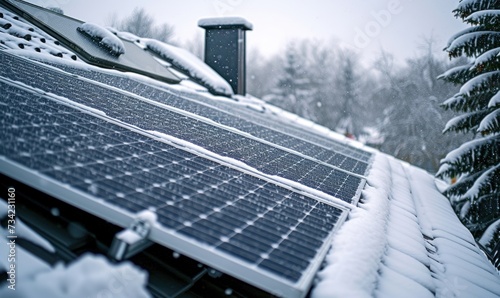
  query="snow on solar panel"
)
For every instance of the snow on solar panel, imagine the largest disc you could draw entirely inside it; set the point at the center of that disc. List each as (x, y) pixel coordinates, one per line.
(265, 234)
(260, 155)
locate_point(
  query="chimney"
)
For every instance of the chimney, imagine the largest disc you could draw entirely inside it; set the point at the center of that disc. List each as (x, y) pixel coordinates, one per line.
(225, 49)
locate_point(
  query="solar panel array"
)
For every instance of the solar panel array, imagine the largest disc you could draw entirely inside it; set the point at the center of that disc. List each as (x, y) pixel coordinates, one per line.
(261, 223)
(305, 142)
(95, 146)
(91, 139)
(262, 156)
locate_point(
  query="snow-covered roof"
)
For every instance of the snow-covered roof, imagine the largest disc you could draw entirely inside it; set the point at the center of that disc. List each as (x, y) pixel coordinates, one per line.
(401, 239)
(405, 240)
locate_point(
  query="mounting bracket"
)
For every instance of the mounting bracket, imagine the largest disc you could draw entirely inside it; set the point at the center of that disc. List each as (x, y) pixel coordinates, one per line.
(131, 241)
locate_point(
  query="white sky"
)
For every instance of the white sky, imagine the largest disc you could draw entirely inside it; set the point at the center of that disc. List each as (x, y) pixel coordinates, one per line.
(399, 27)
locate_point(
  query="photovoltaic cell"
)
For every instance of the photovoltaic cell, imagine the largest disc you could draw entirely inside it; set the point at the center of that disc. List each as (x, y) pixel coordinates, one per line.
(264, 157)
(277, 230)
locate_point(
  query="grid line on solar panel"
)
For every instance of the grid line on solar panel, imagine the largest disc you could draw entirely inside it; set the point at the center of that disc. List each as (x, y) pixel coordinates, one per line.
(274, 136)
(274, 228)
(264, 157)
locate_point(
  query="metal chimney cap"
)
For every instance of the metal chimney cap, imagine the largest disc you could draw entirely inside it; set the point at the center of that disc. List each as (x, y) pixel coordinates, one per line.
(225, 23)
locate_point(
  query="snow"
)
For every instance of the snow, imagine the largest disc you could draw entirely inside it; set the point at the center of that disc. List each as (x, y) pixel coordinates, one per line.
(251, 102)
(454, 244)
(486, 57)
(461, 42)
(357, 249)
(380, 250)
(124, 35)
(454, 156)
(470, 273)
(185, 61)
(486, 180)
(30, 265)
(410, 267)
(479, 81)
(394, 284)
(4, 24)
(465, 210)
(480, 16)
(225, 21)
(441, 185)
(148, 216)
(464, 4)
(455, 70)
(489, 234)
(453, 122)
(490, 122)
(105, 38)
(20, 32)
(454, 37)
(495, 100)
(89, 276)
(458, 253)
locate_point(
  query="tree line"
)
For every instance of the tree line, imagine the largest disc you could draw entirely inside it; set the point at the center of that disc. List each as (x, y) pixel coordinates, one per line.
(394, 107)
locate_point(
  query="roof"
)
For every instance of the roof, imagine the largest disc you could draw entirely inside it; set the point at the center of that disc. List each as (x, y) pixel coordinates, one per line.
(204, 193)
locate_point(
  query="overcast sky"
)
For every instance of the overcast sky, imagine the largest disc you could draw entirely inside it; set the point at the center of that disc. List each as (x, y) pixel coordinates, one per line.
(367, 26)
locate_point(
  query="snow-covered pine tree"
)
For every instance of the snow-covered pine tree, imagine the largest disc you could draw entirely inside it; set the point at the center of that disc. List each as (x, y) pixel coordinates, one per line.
(476, 164)
(293, 91)
(349, 84)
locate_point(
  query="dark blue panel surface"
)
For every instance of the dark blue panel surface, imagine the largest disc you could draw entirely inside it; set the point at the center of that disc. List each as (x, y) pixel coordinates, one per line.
(276, 229)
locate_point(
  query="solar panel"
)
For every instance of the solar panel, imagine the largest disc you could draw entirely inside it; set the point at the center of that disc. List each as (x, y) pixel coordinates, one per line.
(260, 155)
(263, 233)
(303, 142)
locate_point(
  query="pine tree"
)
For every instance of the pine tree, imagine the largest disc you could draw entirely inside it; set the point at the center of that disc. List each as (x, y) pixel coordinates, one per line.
(476, 164)
(293, 92)
(349, 84)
